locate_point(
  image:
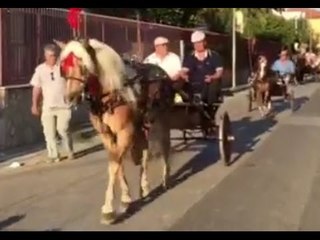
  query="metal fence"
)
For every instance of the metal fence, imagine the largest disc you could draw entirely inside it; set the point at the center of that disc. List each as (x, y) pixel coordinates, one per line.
(25, 30)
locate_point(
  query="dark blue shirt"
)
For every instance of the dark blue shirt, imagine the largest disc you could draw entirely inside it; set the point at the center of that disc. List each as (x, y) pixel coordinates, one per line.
(199, 69)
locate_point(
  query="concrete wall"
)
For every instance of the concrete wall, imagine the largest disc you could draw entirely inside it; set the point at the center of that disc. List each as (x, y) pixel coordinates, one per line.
(17, 125)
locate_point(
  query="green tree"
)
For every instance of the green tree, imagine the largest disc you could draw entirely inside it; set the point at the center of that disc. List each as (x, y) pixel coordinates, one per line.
(259, 22)
(184, 17)
(269, 26)
(217, 19)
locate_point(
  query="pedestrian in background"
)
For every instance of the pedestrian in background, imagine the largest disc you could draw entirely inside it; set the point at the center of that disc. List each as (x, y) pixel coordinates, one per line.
(49, 85)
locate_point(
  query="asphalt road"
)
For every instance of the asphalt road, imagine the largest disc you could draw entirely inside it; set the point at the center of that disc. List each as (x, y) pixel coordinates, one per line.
(276, 189)
(266, 187)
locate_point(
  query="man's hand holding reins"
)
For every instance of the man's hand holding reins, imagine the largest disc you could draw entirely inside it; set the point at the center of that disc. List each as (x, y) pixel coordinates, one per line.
(217, 75)
(184, 74)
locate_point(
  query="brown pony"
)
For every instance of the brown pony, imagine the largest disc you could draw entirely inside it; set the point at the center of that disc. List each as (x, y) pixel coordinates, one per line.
(94, 68)
(262, 85)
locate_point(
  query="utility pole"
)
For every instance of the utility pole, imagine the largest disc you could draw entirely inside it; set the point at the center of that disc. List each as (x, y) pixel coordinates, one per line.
(234, 45)
(139, 40)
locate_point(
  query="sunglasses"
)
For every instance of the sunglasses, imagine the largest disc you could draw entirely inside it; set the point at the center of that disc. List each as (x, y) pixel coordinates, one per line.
(52, 76)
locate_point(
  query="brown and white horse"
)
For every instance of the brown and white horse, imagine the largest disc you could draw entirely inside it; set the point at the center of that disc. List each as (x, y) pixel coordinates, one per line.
(262, 85)
(94, 68)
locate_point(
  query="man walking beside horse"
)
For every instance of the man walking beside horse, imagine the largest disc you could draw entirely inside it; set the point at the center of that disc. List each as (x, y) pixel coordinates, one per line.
(49, 85)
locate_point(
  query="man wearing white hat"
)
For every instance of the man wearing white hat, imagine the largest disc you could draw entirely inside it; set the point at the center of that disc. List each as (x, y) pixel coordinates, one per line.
(168, 61)
(203, 68)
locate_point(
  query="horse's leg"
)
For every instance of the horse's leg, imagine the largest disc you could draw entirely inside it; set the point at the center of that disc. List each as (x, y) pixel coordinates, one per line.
(115, 161)
(124, 141)
(165, 159)
(144, 184)
(260, 100)
(125, 193)
(166, 171)
(108, 214)
(266, 99)
(269, 106)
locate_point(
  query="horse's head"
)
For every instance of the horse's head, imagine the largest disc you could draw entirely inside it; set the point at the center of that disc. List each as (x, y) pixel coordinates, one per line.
(262, 62)
(77, 65)
(262, 67)
(156, 89)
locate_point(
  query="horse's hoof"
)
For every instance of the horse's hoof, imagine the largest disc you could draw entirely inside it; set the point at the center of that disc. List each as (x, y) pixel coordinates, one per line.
(124, 207)
(144, 193)
(108, 218)
(166, 185)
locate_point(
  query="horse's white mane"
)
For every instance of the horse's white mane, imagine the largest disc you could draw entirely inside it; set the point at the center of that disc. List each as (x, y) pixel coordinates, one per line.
(79, 51)
(111, 67)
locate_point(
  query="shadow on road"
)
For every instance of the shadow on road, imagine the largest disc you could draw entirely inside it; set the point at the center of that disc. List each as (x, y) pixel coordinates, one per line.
(87, 151)
(247, 134)
(10, 221)
(201, 161)
(280, 105)
(247, 131)
(299, 102)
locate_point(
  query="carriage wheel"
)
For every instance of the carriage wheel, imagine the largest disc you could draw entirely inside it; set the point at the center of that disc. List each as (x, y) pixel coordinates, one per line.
(225, 139)
(250, 99)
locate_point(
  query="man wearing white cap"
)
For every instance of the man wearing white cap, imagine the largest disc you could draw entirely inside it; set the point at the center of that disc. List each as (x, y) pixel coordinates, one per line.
(168, 61)
(203, 68)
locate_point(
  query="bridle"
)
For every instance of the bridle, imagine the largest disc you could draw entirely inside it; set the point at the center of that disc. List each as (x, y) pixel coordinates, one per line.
(262, 68)
(81, 80)
(95, 99)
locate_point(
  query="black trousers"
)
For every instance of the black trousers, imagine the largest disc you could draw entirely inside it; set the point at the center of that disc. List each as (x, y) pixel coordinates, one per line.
(210, 93)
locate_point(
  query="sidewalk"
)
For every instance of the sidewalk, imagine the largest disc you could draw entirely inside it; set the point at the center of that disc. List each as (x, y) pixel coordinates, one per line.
(85, 141)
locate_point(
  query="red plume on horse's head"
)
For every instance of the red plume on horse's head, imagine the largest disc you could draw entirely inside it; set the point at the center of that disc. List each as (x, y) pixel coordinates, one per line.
(68, 62)
(74, 17)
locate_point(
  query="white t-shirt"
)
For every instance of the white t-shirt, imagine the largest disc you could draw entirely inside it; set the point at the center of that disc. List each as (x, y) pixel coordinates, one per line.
(170, 63)
(310, 57)
(316, 62)
(53, 86)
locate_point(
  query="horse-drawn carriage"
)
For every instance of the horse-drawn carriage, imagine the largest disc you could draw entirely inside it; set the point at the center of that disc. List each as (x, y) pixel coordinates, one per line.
(132, 108)
(278, 86)
(193, 116)
(189, 116)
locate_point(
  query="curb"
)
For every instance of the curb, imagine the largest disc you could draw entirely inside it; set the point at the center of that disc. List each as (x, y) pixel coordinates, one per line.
(36, 151)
